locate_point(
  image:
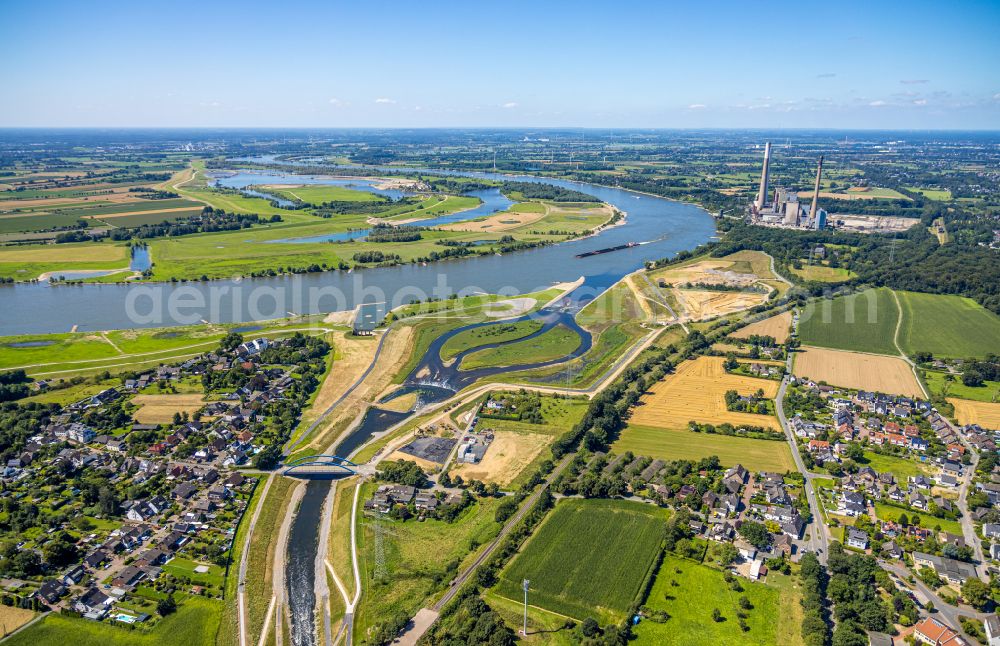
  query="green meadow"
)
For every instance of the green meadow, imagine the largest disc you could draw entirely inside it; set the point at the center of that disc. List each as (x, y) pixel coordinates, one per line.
(863, 322)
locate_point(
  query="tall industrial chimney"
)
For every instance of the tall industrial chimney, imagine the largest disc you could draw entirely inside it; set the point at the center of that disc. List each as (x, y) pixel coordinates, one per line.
(814, 212)
(762, 194)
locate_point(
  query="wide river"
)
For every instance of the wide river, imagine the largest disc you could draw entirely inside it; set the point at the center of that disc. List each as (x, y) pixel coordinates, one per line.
(666, 227)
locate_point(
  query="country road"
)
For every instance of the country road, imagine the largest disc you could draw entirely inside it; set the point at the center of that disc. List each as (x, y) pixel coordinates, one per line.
(818, 535)
(819, 540)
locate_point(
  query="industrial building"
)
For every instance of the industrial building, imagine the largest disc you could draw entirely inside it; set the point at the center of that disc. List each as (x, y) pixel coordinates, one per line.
(782, 208)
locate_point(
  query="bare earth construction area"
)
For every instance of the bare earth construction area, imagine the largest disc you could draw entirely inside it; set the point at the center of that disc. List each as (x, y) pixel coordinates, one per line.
(857, 370)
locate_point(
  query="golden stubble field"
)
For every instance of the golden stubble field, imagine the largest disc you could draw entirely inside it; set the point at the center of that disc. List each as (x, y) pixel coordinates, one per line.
(985, 414)
(777, 326)
(859, 370)
(696, 391)
(160, 409)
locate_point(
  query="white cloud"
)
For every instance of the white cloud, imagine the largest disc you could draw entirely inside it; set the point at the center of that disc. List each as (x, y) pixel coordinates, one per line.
(384, 101)
(920, 102)
(509, 105)
(338, 103)
(996, 97)
(877, 104)
(914, 81)
(697, 106)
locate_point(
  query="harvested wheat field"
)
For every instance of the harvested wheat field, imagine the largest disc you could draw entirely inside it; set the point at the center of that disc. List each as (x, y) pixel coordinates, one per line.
(696, 391)
(507, 456)
(13, 618)
(160, 409)
(985, 414)
(876, 372)
(700, 304)
(777, 326)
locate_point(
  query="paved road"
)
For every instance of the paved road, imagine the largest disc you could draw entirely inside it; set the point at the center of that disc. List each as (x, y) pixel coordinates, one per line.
(819, 541)
(818, 538)
(968, 526)
(948, 612)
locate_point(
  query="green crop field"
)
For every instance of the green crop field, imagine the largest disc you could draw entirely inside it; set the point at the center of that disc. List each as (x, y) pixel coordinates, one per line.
(864, 322)
(947, 326)
(497, 333)
(39, 222)
(941, 383)
(588, 559)
(319, 194)
(940, 194)
(130, 207)
(689, 591)
(553, 344)
(195, 622)
(152, 217)
(678, 444)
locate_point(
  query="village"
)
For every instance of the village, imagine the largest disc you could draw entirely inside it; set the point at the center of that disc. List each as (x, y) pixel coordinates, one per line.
(115, 515)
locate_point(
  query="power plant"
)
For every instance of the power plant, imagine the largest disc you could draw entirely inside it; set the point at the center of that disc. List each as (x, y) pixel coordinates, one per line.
(784, 209)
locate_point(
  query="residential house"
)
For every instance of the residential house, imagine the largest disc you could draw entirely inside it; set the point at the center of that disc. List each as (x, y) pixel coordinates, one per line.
(857, 538)
(952, 571)
(933, 632)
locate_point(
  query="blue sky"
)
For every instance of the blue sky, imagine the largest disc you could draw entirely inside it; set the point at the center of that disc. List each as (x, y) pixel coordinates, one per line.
(710, 63)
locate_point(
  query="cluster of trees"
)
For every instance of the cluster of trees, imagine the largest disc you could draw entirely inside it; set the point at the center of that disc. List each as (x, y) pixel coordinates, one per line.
(815, 619)
(976, 372)
(405, 472)
(13, 385)
(535, 191)
(153, 194)
(755, 403)
(375, 255)
(389, 233)
(472, 621)
(208, 221)
(457, 185)
(523, 406)
(18, 422)
(853, 587)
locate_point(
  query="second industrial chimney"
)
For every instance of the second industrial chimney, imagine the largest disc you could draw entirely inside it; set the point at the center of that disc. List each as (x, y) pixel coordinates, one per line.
(813, 213)
(762, 194)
